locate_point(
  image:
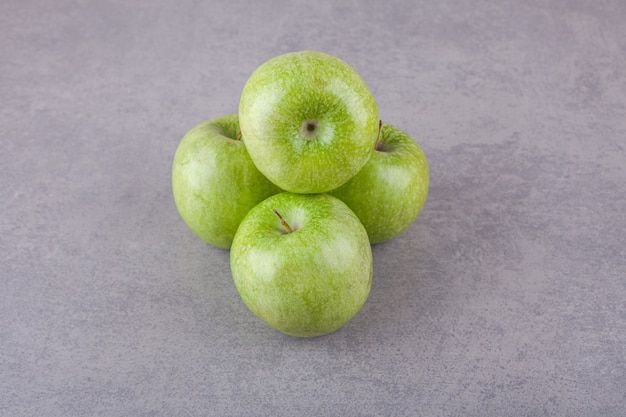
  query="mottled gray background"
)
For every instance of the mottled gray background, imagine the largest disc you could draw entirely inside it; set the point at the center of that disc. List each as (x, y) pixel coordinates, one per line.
(506, 297)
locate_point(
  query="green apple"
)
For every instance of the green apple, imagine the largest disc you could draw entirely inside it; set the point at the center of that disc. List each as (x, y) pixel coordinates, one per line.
(214, 181)
(302, 263)
(309, 121)
(389, 192)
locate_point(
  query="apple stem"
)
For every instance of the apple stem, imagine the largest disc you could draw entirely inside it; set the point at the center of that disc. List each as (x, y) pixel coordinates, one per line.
(239, 135)
(380, 126)
(283, 222)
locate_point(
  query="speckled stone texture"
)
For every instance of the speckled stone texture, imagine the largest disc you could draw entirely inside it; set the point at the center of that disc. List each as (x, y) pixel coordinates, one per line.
(507, 297)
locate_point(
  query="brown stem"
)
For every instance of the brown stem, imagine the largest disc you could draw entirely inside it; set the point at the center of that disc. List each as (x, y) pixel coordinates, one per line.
(283, 222)
(380, 126)
(239, 135)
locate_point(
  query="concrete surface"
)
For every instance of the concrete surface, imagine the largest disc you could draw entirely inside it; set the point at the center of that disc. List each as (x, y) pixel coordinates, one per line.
(506, 297)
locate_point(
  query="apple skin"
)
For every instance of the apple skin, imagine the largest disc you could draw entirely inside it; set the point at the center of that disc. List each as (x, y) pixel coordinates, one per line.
(309, 282)
(389, 192)
(214, 181)
(309, 121)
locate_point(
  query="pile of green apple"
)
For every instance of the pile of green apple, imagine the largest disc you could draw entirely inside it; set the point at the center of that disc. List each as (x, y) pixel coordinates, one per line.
(298, 186)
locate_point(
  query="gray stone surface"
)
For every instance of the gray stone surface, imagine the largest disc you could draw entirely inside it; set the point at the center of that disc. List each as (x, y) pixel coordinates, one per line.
(506, 297)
